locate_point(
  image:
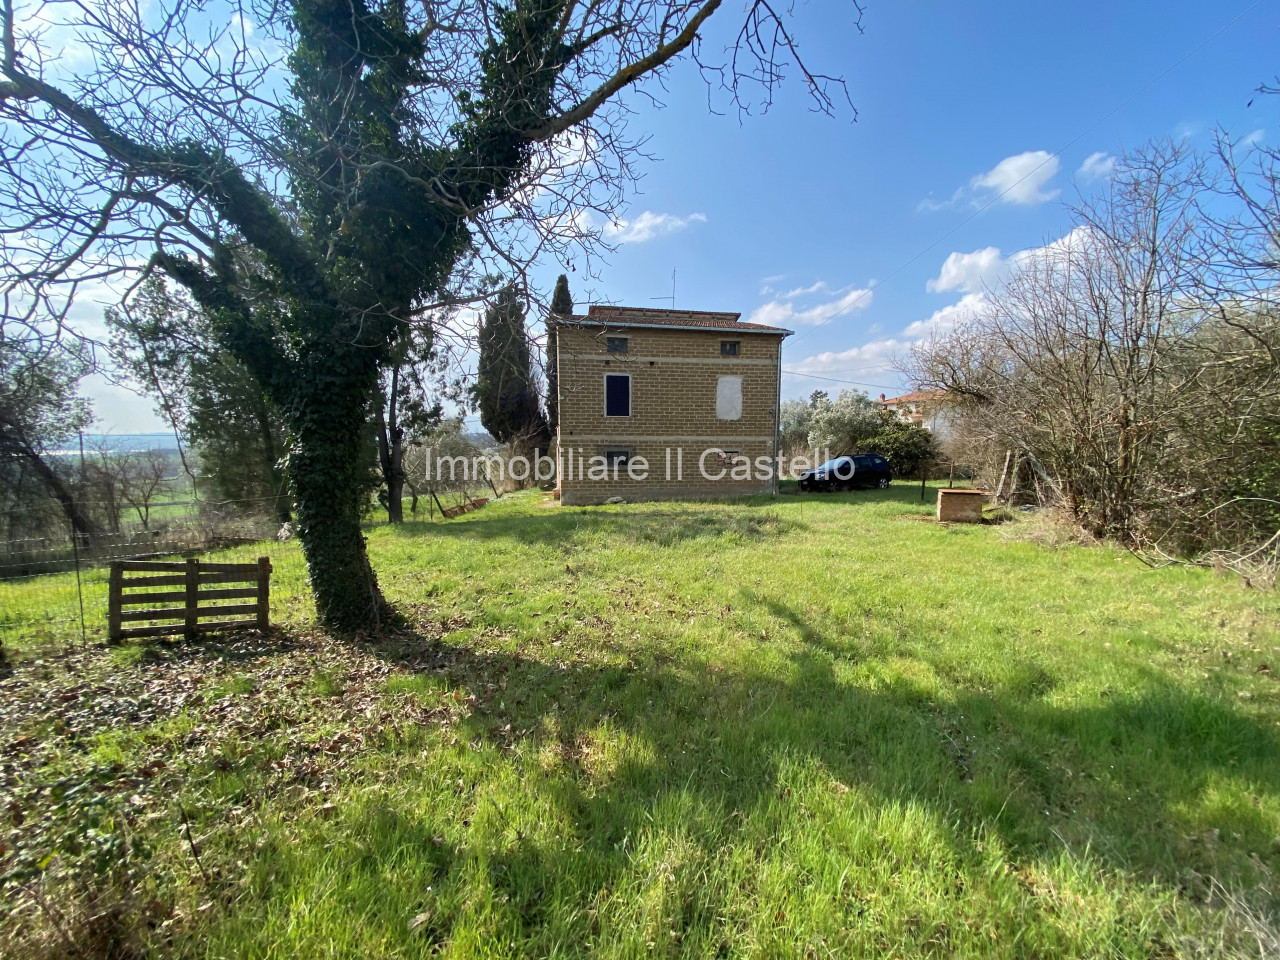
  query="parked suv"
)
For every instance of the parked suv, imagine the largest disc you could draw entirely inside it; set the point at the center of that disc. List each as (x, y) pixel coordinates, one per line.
(847, 473)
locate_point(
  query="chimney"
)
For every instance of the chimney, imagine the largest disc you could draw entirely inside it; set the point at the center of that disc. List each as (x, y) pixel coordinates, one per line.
(882, 398)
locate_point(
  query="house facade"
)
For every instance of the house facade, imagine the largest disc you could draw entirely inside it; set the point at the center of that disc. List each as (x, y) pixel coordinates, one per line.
(924, 408)
(665, 404)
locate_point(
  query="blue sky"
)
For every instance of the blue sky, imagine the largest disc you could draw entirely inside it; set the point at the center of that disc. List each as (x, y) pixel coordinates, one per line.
(793, 216)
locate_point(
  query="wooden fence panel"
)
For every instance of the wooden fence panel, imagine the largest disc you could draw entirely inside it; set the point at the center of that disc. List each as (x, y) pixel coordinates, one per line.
(132, 584)
(451, 512)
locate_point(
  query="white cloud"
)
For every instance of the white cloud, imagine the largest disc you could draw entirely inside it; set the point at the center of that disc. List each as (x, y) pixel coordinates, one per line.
(969, 272)
(984, 269)
(947, 317)
(1255, 138)
(1096, 166)
(1020, 179)
(118, 409)
(819, 287)
(778, 313)
(870, 358)
(58, 33)
(767, 284)
(1188, 130)
(649, 225)
(876, 357)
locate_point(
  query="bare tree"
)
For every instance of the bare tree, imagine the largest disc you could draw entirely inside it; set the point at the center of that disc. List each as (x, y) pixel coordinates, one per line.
(145, 476)
(1070, 363)
(321, 175)
(1134, 365)
(1220, 500)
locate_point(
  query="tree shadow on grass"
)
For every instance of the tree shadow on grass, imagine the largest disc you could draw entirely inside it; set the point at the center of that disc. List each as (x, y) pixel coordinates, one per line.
(1163, 784)
(1158, 782)
(1125, 779)
(663, 523)
(662, 527)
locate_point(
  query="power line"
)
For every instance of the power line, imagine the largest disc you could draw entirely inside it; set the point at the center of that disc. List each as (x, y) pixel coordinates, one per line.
(856, 383)
(1070, 143)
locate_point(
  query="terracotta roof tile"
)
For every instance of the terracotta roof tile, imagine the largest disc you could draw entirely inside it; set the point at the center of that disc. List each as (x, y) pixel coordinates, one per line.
(647, 316)
(916, 396)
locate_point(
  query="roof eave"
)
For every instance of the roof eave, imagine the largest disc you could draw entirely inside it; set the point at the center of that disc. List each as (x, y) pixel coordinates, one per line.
(628, 324)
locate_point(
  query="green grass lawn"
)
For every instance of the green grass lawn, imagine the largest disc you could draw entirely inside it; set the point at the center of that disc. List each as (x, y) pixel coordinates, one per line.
(804, 727)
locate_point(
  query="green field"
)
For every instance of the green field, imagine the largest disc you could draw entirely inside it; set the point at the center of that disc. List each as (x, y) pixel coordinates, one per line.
(792, 727)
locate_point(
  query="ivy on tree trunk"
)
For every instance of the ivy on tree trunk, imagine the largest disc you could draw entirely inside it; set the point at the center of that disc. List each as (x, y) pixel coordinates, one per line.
(315, 232)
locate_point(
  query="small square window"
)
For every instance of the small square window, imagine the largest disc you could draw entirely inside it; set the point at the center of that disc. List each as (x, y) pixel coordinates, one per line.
(616, 344)
(617, 459)
(617, 394)
(729, 348)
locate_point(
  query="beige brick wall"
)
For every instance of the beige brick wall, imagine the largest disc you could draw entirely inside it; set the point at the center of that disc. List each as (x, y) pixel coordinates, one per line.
(673, 406)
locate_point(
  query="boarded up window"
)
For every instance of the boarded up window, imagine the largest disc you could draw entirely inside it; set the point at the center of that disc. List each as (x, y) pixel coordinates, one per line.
(617, 344)
(617, 395)
(729, 398)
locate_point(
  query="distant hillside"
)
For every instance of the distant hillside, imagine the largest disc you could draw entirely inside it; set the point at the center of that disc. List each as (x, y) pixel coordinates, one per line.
(123, 442)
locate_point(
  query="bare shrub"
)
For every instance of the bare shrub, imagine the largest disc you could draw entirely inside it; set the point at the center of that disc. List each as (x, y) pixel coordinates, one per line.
(1127, 373)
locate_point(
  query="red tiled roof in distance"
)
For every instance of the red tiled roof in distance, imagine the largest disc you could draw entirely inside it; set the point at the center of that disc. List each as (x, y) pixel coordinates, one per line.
(649, 317)
(916, 396)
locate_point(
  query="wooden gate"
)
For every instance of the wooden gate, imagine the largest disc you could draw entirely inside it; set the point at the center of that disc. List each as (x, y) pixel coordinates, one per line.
(145, 591)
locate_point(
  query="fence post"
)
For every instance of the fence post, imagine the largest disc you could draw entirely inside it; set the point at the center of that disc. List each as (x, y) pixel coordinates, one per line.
(264, 593)
(192, 606)
(75, 553)
(115, 588)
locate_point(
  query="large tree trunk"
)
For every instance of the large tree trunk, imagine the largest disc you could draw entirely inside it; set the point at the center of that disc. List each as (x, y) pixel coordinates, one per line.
(329, 477)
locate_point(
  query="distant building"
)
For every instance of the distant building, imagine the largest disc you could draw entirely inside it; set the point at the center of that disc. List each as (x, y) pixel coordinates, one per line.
(666, 404)
(924, 408)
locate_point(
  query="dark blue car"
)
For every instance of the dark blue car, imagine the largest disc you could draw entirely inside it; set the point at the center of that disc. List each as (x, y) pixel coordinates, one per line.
(847, 473)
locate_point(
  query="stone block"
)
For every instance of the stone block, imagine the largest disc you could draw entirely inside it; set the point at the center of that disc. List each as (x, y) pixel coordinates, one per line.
(961, 506)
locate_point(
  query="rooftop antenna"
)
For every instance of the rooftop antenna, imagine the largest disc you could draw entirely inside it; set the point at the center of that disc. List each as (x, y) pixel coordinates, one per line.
(672, 298)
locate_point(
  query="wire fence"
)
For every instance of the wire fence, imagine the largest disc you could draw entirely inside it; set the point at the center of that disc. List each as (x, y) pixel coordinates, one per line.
(53, 590)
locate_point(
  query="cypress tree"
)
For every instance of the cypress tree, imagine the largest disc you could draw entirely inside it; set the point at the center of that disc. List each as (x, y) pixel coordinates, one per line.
(562, 299)
(561, 306)
(505, 387)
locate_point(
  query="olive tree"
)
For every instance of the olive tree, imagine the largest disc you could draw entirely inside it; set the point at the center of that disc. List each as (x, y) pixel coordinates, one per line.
(164, 345)
(844, 424)
(41, 407)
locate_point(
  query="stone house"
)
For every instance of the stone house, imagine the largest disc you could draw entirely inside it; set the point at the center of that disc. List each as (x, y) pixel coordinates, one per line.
(665, 404)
